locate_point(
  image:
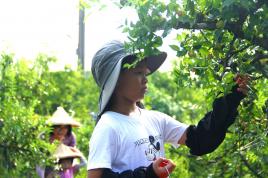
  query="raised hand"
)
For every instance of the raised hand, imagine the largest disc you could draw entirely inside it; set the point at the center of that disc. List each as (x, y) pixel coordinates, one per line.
(243, 83)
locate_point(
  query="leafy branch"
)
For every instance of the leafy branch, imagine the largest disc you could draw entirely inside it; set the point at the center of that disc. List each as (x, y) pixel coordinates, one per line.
(247, 164)
(235, 28)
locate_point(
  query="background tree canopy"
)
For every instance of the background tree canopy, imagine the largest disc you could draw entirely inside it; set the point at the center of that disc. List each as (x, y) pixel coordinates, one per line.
(216, 39)
(29, 94)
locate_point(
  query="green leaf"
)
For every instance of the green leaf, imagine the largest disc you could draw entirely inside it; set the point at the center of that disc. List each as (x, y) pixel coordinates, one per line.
(181, 53)
(190, 6)
(175, 47)
(227, 3)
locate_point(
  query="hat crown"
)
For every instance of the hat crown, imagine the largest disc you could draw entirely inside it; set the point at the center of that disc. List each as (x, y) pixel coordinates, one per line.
(60, 112)
(61, 117)
(105, 60)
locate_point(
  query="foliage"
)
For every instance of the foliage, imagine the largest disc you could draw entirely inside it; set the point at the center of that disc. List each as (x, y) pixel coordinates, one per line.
(30, 93)
(246, 140)
(216, 39)
(20, 126)
(223, 31)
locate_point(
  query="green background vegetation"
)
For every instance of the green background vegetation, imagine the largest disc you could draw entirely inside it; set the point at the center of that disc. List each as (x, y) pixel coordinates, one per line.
(218, 40)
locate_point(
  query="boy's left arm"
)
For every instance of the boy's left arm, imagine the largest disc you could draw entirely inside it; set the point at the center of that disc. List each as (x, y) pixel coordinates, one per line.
(211, 130)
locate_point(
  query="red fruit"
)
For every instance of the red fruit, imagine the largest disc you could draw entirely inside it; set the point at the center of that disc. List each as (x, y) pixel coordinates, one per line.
(163, 163)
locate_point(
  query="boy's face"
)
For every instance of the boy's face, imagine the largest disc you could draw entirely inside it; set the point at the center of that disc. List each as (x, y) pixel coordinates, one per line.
(66, 163)
(132, 83)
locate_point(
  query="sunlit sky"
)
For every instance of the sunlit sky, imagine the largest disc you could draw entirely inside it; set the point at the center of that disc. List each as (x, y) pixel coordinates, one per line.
(29, 27)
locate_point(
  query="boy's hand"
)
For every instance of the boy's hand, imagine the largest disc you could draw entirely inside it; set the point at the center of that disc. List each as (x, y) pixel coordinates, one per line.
(242, 81)
(163, 167)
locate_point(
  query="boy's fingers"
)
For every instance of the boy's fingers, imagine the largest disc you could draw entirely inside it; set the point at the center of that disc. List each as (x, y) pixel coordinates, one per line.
(163, 163)
(239, 77)
(159, 160)
(170, 166)
(244, 91)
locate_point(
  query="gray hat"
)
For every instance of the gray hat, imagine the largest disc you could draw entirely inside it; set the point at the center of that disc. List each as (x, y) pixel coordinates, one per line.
(106, 67)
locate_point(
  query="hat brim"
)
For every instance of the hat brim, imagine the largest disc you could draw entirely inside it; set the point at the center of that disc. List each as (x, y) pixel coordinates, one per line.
(63, 121)
(152, 62)
(73, 123)
(64, 151)
(68, 156)
(109, 86)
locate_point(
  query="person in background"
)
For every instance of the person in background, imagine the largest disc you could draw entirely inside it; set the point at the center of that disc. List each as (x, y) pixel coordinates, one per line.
(62, 124)
(66, 167)
(128, 140)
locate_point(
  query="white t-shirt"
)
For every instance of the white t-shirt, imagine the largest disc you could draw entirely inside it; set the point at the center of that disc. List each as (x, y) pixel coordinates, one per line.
(121, 142)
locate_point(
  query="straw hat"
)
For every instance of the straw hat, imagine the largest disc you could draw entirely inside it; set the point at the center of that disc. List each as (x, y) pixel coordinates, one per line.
(64, 151)
(61, 117)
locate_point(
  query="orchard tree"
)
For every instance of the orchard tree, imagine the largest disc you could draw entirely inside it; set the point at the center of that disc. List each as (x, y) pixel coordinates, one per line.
(29, 94)
(232, 34)
(216, 39)
(21, 87)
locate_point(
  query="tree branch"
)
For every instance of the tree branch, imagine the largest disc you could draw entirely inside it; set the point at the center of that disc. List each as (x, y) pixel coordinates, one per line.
(240, 50)
(249, 167)
(227, 57)
(258, 56)
(204, 35)
(256, 61)
(232, 27)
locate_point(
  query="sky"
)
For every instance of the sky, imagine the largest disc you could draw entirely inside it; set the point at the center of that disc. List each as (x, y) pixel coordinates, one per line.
(30, 27)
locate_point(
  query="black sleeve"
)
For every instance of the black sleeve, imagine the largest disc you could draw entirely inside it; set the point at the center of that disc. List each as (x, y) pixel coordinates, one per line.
(210, 130)
(141, 172)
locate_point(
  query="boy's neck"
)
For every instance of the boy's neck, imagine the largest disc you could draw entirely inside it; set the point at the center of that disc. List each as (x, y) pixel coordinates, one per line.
(125, 109)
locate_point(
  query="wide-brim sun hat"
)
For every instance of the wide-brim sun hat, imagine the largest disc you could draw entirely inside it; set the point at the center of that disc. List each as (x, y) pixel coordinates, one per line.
(61, 117)
(64, 151)
(106, 67)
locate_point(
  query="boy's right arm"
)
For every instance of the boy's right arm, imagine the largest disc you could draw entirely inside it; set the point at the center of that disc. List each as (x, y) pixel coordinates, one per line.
(154, 170)
(94, 173)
